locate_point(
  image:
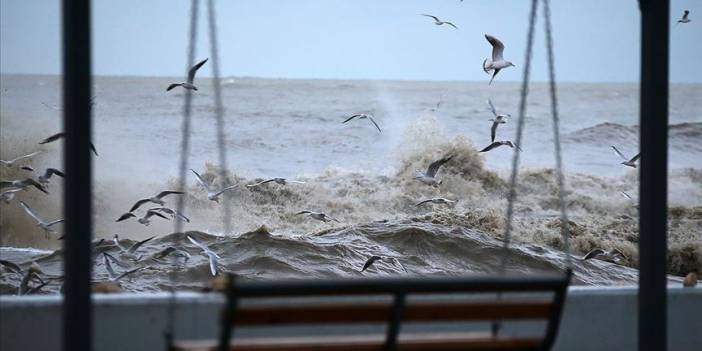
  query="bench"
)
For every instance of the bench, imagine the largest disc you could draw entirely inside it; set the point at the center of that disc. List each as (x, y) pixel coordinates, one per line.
(495, 301)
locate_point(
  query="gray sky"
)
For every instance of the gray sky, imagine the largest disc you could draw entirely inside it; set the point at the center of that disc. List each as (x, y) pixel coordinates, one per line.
(596, 40)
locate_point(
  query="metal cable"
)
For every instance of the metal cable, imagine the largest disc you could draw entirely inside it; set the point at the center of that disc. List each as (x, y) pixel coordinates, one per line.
(219, 115)
(511, 196)
(556, 133)
(184, 153)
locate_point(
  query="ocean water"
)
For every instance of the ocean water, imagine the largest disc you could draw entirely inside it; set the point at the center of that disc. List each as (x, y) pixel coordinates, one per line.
(363, 178)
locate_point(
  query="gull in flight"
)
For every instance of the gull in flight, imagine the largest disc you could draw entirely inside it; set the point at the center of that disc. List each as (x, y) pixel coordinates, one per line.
(439, 22)
(44, 178)
(684, 18)
(428, 177)
(143, 220)
(498, 62)
(613, 255)
(157, 199)
(40, 222)
(10, 163)
(281, 181)
(364, 116)
(22, 184)
(211, 255)
(113, 275)
(7, 195)
(318, 216)
(499, 119)
(627, 162)
(211, 194)
(497, 144)
(130, 251)
(375, 258)
(173, 213)
(62, 135)
(436, 200)
(191, 77)
(173, 251)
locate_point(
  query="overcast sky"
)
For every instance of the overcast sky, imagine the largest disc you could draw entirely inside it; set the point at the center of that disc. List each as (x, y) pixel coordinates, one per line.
(595, 40)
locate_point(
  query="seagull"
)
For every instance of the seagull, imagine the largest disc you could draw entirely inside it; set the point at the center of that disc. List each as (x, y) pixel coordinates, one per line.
(281, 181)
(626, 195)
(613, 255)
(439, 22)
(318, 216)
(143, 220)
(44, 178)
(428, 176)
(157, 199)
(497, 144)
(40, 222)
(171, 250)
(684, 18)
(436, 200)
(191, 76)
(499, 119)
(132, 249)
(211, 194)
(375, 258)
(211, 255)
(62, 135)
(27, 168)
(33, 272)
(113, 275)
(174, 214)
(364, 116)
(7, 195)
(627, 162)
(498, 63)
(10, 163)
(22, 184)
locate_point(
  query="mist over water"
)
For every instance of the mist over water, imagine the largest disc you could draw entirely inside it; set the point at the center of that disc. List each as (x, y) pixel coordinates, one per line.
(293, 129)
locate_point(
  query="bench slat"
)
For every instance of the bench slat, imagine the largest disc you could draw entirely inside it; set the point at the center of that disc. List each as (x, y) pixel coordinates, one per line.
(380, 312)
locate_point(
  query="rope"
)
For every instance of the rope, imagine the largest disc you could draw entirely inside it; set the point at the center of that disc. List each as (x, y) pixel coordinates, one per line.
(556, 133)
(520, 129)
(219, 115)
(184, 151)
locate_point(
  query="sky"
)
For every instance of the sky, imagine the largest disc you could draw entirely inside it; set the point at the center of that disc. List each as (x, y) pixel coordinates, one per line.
(595, 40)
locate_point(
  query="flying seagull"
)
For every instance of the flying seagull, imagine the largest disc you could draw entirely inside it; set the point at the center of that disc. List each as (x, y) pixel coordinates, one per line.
(375, 258)
(211, 255)
(40, 222)
(173, 251)
(499, 119)
(143, 220)
(428, 177)
(62, 135)
(318, 216)
(684, 18)
(133, 248)
(439, 22)
(44, 178)
(613, 255)
(113, 275)
(173, 213)
(22, 184)
(211, 194)
(281, 181)
(191, 77)
(498, 62)
(157, 199)
(627, 162)
(436, 200)
(7, 195)
(497, 144)
(364, 116)
(10, 163)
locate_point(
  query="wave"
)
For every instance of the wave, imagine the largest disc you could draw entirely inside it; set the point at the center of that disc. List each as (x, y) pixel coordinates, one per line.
(681, 136)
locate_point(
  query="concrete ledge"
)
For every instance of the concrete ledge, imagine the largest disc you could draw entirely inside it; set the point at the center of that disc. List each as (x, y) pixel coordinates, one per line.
(593, 319)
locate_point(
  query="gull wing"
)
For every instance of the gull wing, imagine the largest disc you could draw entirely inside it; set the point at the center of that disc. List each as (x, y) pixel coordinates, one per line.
(303, 212)
(127, 273)
(491, 146)
(125, 216)
(25, 156)
(375, 124)
(193, 70)
(370, 262)
(212, 257)
(201, 181)
(434, 17)
(198, 244)
(53, 138)
(168, 192)
(352, 117)
(34, 183)
(54, 222)
(626, 195)
(635, 158)
(225, 189)
(451, 24)
(30, 212)
(492, 107)
(497, 47)
(138, 244)
(260, 183)
(434, 167)
(619, 153)
(170, 87)
(138, 204)
(155, 213)
(493, 131)
(593, 253)
(108, 265)
(51, 171)
(422, 202)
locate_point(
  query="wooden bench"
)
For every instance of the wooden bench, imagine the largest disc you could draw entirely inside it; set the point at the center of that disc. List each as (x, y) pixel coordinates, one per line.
(510, 306)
